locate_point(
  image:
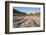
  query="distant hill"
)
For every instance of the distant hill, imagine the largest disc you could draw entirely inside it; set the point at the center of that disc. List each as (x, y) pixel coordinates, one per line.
(16, 12)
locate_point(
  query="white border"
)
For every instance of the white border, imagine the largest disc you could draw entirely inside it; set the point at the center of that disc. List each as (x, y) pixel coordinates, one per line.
(11, 29)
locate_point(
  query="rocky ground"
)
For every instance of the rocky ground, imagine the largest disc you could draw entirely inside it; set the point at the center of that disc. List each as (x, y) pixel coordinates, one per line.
(26, 21)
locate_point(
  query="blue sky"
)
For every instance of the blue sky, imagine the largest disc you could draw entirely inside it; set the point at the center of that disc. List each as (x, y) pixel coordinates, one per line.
(27, 10)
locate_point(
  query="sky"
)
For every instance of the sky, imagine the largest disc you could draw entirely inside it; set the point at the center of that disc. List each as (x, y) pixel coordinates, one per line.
(27, 10)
